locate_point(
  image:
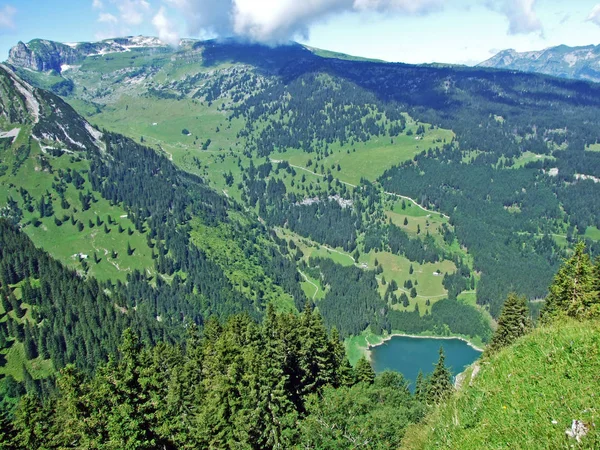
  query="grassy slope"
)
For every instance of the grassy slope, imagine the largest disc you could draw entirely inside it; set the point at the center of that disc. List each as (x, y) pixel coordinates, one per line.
(370, 159)
(244, 272)
(65, 241)
(160, 121)
(12, 358)
(524, 397)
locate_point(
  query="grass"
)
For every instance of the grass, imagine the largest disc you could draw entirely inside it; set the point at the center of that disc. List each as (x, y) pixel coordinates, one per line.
(12, 358)
(526, 396)
(16, 362)
(369, 159)
(397, 268)
(593, 147)
(527, 157)
(64, 242)
(592, 233)
(244, 272)
(357, 346)
(329, 54)
(313, 288)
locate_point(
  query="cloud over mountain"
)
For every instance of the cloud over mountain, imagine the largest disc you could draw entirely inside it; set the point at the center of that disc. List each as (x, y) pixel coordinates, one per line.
(282, 19)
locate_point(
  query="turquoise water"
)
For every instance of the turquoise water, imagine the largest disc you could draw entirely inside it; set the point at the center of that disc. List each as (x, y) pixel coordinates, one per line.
(409, 355)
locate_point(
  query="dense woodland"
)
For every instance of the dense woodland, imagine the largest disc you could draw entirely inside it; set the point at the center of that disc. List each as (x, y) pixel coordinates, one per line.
(59, 316)
(506, 217)
(185, 358)
(505, 213)
(283, 384)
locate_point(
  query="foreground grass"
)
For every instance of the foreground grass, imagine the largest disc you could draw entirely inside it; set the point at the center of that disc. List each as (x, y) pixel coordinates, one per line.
(524, 397)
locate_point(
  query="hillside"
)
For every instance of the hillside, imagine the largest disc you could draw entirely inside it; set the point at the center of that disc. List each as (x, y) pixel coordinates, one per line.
(578, 63)
(215, 148)
(526, 396)
(119, 224)
(447, 187)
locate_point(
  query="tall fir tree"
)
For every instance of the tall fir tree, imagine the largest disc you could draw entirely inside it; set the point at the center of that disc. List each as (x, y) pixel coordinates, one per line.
(421, 388)
(513, 323)
(364, 372)
(440, 384)
(572, 291)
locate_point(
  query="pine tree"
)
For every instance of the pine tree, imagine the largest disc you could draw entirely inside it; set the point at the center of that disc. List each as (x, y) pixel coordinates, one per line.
(513, 323)
(7, 432)
(421, 388)
(364, 372)
(31, 422)
(572, 290)
(440, 384)
(343, 370)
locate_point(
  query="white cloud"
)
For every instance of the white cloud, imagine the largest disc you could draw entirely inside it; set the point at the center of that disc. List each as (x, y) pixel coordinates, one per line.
(97, 4)
(7, 15)
(521, 15)
(132, 11)
(279, 20)
(107, 18)
(165, 29)
(594, 15)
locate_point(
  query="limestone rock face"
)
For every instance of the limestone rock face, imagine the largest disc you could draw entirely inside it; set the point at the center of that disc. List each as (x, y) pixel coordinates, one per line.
(42, 55)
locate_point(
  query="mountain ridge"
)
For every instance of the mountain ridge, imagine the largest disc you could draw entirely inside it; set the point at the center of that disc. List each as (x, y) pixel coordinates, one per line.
(580, 63)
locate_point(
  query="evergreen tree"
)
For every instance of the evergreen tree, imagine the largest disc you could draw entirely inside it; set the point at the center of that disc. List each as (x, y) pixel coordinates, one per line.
(421, 388)
(572, 290)
(513, 323)
(440, 384)
(364, 372)
(31, 423)
(7, 432)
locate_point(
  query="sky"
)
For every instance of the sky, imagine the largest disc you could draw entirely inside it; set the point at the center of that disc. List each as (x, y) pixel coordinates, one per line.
(412, 31)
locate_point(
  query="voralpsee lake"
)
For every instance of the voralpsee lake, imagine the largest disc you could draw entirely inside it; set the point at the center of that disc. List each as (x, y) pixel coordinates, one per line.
(408, 355)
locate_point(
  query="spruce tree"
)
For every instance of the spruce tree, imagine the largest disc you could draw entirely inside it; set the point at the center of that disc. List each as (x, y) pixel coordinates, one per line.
(364, 372)
(421, 388)
(572, 290)
(513, 323)
(440, 384)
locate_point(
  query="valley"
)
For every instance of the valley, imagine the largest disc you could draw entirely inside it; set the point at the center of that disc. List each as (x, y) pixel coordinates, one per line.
(244, 221)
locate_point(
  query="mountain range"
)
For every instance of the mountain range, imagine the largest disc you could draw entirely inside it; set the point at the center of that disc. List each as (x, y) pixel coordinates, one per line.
(211, 235)
(579, 63)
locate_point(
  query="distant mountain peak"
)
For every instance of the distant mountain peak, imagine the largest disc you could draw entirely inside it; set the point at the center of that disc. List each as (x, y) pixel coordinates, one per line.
(43, 55)
(579, 63)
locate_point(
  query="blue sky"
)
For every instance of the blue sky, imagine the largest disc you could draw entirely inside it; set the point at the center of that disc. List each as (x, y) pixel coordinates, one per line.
(414, 31)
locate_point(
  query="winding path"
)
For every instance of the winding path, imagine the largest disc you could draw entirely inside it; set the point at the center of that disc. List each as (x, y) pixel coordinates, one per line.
(353, 185)
(310, 282)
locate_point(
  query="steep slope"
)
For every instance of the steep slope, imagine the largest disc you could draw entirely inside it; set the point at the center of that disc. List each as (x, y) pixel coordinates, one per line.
(305, 142)
(526, 396)
(131, 243)
(578, 63)
(173, 101)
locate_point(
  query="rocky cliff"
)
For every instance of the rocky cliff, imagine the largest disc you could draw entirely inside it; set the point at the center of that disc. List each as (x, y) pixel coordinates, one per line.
(42, 55)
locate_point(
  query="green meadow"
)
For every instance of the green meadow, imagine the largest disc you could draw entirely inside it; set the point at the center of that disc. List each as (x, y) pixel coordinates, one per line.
(369, 159)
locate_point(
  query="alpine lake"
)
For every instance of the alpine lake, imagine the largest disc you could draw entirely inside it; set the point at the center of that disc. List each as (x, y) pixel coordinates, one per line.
(409, 355)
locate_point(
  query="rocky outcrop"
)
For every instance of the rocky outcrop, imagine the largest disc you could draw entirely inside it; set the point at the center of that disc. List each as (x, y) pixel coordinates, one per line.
(41, 55)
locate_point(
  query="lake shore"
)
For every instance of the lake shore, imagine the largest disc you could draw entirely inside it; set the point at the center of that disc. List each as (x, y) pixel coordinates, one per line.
(416, 336)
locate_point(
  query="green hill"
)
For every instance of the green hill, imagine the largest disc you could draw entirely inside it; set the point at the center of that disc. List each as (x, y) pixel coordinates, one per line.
(525, 396)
